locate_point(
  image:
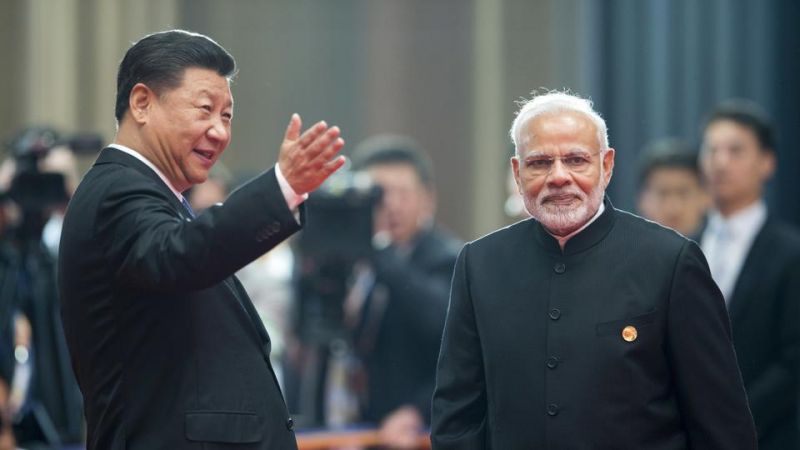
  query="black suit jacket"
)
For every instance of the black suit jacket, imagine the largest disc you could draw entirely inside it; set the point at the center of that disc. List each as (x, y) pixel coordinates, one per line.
(165, 343)
(401, 354)
(765, 317)
(533, 354)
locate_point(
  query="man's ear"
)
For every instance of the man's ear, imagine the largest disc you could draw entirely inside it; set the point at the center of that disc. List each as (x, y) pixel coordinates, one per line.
(608, 165)
(767, 165)
(140, 101)
(515, 171)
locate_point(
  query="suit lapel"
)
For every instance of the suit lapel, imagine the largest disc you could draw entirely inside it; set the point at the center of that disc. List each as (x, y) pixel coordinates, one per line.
(110, 155)
(244, 300)
(749, 274)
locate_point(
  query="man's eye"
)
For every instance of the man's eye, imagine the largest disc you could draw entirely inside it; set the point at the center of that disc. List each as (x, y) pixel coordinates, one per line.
(539, 163)
(206, 108)
(575, 161)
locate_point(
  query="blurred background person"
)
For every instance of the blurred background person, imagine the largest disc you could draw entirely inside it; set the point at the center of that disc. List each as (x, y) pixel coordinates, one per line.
(38, 177)
(671, 187)
(372, 360)
(60, 159)
(755, 260)
(403, 315)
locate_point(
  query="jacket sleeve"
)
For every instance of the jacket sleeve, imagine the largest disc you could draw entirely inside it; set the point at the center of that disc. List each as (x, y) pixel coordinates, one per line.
(709, 386)
(421, 291)
(150, 247)
(459, 413)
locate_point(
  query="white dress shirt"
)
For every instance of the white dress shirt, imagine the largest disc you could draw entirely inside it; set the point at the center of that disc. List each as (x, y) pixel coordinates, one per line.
(727, 241)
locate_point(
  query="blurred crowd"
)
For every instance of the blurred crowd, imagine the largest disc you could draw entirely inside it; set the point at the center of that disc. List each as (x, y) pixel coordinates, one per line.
(356, 312)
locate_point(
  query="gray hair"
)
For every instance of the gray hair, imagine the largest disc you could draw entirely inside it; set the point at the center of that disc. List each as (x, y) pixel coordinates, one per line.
(556, 101)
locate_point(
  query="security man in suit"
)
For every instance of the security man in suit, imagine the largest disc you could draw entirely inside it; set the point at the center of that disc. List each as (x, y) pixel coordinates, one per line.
(166, 345)
(755, 259)
(584, 327)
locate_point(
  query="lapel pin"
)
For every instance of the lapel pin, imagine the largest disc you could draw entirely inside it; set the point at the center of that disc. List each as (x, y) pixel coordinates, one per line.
(629, 333)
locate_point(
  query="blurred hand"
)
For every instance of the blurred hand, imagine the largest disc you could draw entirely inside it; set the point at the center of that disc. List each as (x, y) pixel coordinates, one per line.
(401, 430)
(6, 434)
(308, 159)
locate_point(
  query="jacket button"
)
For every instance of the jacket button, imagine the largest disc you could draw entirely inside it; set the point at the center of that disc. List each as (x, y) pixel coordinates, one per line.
(552, 362)
(276, 226)
(290, 424)
(560, 267)
(552, 409)
(555, 313)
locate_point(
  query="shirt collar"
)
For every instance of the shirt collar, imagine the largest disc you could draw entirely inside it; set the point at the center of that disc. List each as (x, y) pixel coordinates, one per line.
(149, 164)
(745, 221)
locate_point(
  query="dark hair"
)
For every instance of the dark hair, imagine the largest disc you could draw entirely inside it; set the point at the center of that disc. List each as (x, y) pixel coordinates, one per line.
(387, 149)
(160, 59)
(747, 114)
(667, 153)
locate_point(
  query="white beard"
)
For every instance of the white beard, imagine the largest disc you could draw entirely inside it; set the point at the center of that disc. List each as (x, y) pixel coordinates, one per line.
(562, 220)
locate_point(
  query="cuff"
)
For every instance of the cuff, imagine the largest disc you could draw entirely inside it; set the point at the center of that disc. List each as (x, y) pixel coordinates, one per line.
(293, 199)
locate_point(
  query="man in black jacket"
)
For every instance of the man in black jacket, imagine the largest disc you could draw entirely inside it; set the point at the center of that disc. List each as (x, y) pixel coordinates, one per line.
(584, 327)
(755, 259)
(166, 345)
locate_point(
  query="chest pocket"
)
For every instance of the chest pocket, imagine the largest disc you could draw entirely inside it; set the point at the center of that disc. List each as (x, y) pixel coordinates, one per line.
(616, 327)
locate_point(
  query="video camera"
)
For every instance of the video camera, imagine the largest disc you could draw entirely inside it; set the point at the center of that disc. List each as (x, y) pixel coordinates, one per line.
(31, 189)
(337, 234)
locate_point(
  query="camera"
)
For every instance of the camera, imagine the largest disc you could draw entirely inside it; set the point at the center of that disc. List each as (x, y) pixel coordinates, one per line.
(31, 189)
(337, 235)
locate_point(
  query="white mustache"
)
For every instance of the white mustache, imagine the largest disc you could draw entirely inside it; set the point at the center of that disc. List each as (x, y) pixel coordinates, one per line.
(562, 194)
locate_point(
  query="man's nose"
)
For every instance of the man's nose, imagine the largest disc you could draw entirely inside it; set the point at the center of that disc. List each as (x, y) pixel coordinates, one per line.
(220, 131)
(720, 158)
(559, 174)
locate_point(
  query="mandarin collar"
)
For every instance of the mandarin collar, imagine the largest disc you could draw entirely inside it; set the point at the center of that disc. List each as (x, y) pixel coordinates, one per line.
(582, 241)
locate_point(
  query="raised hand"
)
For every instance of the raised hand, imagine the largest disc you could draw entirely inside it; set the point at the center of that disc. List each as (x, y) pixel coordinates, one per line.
(308, 159)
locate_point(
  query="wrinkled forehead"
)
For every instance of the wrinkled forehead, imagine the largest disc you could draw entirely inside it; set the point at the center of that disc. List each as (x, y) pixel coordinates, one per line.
(564, 131)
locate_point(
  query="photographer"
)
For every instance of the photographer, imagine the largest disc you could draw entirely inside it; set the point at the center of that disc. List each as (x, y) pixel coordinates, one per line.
(43, 401)
(402, 316)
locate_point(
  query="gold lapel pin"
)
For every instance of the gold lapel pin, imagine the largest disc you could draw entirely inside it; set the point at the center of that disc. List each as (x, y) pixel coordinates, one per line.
(629, 333)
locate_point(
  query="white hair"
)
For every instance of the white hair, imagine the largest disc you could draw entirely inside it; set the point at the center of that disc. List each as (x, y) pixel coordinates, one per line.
(556, 101)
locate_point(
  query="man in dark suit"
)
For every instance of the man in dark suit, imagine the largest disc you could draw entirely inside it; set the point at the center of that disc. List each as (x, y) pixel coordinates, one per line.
(165, 343)
(584, 327)
(401, 324)
(755, 259)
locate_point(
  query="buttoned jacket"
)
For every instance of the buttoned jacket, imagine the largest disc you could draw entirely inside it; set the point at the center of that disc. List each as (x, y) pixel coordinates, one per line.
(165, 343)
(619, 341)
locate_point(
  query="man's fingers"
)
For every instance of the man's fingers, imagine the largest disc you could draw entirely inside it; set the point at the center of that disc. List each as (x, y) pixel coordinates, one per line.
(321, 143)
(293, 129)
(310, 159)
(333, 165)
(311, 134)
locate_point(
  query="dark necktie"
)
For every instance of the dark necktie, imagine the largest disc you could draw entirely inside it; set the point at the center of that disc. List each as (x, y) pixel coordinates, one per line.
(188, 208)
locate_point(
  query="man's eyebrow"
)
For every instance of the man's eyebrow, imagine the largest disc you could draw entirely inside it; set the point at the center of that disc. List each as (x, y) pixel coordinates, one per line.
(208, 93)
(536, 154)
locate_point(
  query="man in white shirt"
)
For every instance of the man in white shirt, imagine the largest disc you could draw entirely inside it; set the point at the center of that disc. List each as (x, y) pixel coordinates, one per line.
(755, 260)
